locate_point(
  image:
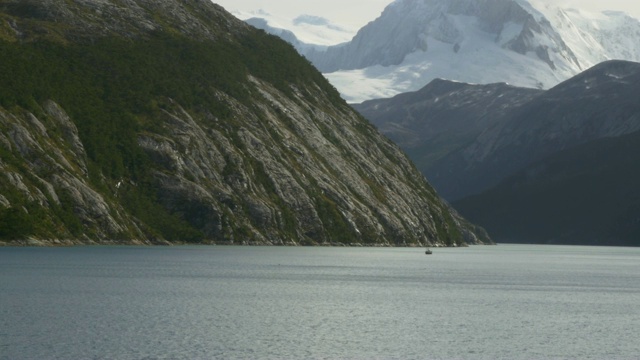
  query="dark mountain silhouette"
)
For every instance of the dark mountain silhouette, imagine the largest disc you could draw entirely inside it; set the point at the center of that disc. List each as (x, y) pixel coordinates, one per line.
(551, 166)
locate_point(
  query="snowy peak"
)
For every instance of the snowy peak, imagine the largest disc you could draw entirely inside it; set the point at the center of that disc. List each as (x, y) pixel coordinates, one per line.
(596, 37)
(525, 43)
(408, 26)
(473, 41)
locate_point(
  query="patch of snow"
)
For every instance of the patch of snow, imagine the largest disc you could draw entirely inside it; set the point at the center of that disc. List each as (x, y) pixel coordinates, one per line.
(455, 45)
(510, 31)
(480, 59)
(596, 36)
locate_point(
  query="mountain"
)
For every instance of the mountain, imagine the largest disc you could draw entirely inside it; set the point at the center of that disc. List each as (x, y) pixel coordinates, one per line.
(161, 121)
(557, 166)
(533, 44)
(595, 37)
(468, 138)
(409, 26)
(586, 195)
(442, 117)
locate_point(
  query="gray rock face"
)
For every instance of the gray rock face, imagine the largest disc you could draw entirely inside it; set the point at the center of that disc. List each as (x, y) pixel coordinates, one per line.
(264, 183)
(87, 19)
(294, 165)
(46, 165)
(207, 176)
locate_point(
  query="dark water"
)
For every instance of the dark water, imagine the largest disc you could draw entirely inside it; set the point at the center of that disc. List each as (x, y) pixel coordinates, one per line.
(502, 302)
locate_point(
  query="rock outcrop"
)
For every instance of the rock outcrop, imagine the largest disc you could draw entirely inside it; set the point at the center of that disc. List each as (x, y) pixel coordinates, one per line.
(176, 121)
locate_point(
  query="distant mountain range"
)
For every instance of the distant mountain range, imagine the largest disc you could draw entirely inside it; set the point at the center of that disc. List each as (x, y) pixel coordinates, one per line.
(531, 157)
(473, 41)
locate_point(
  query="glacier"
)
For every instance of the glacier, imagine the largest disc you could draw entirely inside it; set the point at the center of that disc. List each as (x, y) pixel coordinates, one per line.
(526, 43)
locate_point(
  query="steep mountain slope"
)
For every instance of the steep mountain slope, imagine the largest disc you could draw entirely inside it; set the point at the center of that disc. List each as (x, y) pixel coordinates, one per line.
(143, 121)
(471, 137)
(585, 195)
(595, 37)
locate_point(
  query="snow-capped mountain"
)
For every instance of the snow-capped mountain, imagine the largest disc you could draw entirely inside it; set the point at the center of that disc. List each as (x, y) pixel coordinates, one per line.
(410, 26)
(525, 43)
(596, 37)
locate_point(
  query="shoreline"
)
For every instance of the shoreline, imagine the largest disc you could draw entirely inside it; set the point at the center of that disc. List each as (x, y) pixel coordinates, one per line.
(73, 243)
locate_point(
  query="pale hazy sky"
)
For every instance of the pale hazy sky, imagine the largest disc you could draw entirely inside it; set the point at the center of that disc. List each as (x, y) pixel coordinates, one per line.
(357, 13)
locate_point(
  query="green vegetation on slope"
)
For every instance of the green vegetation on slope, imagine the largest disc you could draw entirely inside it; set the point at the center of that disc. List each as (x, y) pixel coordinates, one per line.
(114, 88)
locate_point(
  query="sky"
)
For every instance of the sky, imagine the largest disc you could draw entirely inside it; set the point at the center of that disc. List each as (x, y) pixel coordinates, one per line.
(357, 13)
(346, 13)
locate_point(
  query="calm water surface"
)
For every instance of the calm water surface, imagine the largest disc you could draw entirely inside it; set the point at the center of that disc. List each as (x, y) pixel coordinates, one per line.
(499, 302)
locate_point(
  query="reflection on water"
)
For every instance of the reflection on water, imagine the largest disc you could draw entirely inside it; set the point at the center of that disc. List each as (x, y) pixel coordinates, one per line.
(506, 301)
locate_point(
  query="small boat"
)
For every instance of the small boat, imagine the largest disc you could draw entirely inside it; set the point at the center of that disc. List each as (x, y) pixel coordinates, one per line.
(428, 252)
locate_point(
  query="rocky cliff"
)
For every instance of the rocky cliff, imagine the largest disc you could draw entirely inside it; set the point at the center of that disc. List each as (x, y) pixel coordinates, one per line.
(155, 121)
